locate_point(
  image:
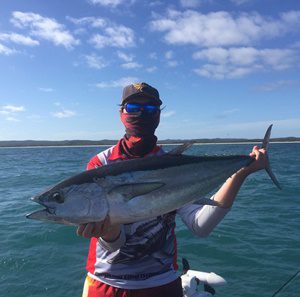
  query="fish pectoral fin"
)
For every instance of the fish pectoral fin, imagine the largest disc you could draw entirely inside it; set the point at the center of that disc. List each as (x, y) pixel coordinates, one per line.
(130, 191)
(106, 183)
(180, 149)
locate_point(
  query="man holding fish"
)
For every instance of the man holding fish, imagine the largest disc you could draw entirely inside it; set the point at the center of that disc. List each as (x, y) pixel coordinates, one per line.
(139, 258)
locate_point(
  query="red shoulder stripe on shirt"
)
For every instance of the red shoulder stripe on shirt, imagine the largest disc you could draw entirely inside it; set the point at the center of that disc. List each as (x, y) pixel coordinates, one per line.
(94, 163)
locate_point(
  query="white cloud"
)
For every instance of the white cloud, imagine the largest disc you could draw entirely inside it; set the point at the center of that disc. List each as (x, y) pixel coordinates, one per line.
(155, 3)
(277, 85)
(19, 39)
(172, 63)
(223, 71)
(168, 114)
(131, 65)
(4, 50)
(227, 113)
(111, 3)
(190, 3)
(12, 119)
(4, 112)
(296, 45)
(125, 57)
(169, 55)
(277, 58)
(213, 54)
(12, 108)
(10, 112)
(151, 69)
(238, 62)
(94, 61)
(207, 30)
(153, 56)
(108, 33)
(240, 2)
(46, 90)
(44, 28)
(291, 17)
(92, 21)
(114, 36)
(122, 82)
(64, 114)
(34, 117)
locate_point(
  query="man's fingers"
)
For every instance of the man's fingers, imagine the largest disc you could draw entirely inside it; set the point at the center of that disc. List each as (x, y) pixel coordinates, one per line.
(256, 151)
(80, 229)
(88, 230)
(95, 229)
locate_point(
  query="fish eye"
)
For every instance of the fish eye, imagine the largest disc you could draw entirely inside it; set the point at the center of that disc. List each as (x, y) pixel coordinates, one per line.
(58, 197)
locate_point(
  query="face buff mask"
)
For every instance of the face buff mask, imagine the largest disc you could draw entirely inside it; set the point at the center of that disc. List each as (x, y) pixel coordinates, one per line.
(139, 139)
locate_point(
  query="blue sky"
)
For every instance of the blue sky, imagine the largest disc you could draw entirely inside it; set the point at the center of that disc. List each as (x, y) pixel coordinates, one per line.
(224, 68)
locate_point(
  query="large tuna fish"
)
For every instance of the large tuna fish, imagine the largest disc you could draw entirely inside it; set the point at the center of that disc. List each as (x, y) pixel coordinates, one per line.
(138, 189)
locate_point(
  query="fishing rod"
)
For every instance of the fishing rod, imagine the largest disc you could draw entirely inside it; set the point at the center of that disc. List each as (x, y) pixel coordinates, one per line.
(286, 283)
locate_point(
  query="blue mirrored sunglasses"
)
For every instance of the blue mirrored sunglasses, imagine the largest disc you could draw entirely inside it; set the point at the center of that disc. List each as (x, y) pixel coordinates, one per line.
(135, 107)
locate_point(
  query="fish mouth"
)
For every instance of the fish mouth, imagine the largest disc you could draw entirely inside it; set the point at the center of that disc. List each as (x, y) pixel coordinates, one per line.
(42, 214)
(37, 199)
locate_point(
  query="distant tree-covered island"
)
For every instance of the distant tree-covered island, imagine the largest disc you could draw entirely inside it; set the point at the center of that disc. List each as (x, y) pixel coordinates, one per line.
(107, 142)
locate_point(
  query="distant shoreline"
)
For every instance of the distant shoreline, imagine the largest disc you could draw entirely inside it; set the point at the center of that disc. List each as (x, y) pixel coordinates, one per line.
(91, 143)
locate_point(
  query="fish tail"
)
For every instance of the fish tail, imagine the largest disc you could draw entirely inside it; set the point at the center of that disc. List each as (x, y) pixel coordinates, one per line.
(265, 145)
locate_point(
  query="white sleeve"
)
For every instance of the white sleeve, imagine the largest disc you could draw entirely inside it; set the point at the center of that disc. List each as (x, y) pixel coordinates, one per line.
(202, 219)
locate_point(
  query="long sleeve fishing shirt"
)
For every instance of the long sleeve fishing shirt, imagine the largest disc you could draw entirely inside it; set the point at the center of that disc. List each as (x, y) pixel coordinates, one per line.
(145, 253)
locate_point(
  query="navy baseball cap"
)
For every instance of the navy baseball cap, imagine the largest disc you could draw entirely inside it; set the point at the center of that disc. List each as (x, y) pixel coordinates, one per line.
(140, 90)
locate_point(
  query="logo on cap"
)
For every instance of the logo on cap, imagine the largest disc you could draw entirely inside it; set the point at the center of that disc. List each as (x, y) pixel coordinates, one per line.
(138, 87)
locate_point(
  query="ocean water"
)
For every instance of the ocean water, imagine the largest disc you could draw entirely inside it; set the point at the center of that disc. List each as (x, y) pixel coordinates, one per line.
(256, 248)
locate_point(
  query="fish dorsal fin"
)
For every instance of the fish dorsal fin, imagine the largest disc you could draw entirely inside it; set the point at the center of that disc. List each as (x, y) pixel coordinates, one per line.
(130, 191)
(180, 149)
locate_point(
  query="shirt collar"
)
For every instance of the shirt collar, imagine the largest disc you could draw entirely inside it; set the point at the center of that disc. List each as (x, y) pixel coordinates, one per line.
(116, 153)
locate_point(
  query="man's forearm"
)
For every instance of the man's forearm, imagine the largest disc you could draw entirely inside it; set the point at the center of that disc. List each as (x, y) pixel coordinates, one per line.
(229, 190)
